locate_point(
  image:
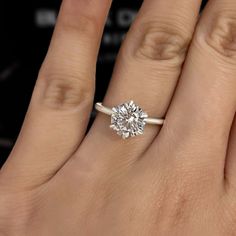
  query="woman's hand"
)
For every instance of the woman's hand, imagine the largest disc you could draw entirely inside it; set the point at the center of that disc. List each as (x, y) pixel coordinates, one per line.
(180, 180)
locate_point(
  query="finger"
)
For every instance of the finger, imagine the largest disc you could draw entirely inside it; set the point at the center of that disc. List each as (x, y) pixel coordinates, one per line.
(201, 114)
(230, 168)
(63, 97)
(147, 71)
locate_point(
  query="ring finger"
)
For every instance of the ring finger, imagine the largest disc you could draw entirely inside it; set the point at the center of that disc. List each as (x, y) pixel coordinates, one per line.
(147, 71)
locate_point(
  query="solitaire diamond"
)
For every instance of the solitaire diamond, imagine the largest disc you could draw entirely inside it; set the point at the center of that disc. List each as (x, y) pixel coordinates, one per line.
(128, 120)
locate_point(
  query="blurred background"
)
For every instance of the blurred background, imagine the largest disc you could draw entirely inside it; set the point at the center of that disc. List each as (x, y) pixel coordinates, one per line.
(27, 28)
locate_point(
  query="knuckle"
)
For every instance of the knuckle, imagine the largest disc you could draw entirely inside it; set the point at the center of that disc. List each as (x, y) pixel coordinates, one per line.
(176, 202)
(162, 43)
(63, 92)
(221, 35)
(179, 207)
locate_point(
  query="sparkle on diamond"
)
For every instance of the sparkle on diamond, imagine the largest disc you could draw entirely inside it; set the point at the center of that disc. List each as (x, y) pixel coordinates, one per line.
(128, 120)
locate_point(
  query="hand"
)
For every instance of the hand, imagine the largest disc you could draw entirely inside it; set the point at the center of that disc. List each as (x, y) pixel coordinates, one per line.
(178, 180)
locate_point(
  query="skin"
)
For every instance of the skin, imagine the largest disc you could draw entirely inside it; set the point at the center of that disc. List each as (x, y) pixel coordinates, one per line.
(179, 179)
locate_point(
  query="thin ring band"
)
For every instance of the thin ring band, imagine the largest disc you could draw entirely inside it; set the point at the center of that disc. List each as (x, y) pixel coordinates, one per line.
(108, 111)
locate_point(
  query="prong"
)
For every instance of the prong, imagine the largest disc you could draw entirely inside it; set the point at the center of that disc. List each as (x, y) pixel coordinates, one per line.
(114, 109)
(125, 135)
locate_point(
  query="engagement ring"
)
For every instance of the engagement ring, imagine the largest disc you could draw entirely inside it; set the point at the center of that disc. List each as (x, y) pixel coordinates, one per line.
(128, 119)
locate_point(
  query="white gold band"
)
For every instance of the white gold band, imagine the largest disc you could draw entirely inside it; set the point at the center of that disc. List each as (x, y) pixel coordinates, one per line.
(108, 111)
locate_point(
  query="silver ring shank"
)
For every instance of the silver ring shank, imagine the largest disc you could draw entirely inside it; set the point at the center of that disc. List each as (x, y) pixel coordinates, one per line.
(108, 111)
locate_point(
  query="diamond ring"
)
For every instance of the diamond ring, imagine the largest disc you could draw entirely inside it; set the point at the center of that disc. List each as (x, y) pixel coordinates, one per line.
(128, 119)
